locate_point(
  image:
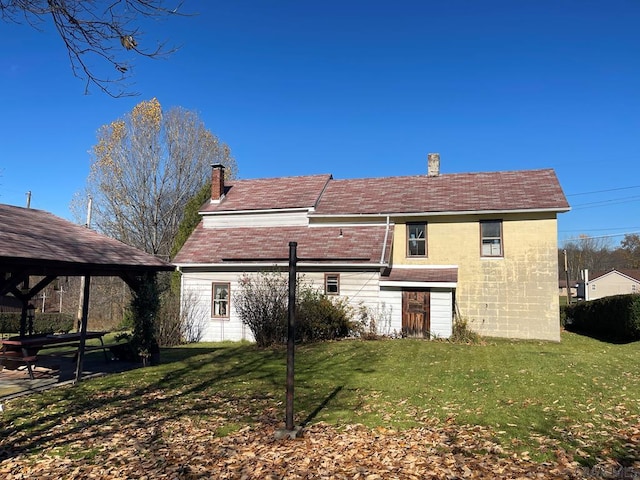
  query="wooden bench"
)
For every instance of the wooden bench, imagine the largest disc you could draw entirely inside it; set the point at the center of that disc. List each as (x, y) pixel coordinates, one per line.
(9, 357)
(87, 348)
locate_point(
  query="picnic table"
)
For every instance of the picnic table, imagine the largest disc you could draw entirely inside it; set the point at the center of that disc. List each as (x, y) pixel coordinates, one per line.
(25, 349)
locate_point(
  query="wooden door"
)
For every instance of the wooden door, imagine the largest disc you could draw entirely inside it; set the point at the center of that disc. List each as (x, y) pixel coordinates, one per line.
(416, 318)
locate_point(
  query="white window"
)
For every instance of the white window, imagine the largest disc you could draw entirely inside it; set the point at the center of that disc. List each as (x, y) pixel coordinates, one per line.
(416, 239)
(332, 284)
(220, 300)
(491, 238)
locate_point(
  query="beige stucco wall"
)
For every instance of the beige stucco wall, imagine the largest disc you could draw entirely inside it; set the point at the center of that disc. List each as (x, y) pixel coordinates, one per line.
(514, 296)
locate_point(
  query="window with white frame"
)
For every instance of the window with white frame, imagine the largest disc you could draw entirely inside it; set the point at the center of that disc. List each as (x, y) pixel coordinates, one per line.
(331, 284)
(416, 239)
(491, 238)
(220, 300)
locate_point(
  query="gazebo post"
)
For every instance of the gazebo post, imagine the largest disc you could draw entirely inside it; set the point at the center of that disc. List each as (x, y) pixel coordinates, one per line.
(83, 328)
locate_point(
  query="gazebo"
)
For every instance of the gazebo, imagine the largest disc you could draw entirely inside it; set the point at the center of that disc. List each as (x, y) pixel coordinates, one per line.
(36, 243)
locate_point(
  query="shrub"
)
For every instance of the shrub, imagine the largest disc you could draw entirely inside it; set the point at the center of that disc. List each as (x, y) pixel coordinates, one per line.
(462, 333)
(374, 322)
(144, 308)
(319, 317)
(563, 315)
(42, 322)
(262, 303)
(615, 318)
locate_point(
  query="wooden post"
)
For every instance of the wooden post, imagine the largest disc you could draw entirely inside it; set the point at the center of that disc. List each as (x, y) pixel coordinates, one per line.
(83, 327)
(291, 333)
(566, 274)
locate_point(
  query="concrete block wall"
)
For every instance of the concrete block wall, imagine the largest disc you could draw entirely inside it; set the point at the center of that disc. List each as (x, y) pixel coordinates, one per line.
(513, 296)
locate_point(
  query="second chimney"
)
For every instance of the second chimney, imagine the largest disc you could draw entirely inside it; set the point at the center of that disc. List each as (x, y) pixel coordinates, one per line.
(217, 182)
(433, 164)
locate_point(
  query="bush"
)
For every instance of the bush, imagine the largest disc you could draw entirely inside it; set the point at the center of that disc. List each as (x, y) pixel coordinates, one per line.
(614, 318)
(563, 315)
(262, 303)
(319, 317)
(42, 323)
(462, 333)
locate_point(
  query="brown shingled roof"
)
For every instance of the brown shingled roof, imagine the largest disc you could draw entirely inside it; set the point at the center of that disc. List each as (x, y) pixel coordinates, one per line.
(460, 192)
(271, 193)
(359, 244)
(628, 272)
(42, 244)
(425, 274)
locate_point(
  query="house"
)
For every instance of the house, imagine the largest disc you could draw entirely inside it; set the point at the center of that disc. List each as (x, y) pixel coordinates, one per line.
(572, 291)
(596, 285)
(410, 251)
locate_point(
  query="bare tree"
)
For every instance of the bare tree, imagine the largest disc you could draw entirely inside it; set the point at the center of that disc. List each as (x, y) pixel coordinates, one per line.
(585, 252)
(146, 167)
(96, 33)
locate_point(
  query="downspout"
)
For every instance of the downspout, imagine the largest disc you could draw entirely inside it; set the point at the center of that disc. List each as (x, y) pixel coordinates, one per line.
(384, 244)
(181, 290)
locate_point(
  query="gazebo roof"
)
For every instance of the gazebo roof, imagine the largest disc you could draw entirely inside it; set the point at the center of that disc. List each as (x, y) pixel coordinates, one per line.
(35, 242)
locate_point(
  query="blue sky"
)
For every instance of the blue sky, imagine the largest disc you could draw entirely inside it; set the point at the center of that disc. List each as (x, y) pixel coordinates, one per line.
(359, 89)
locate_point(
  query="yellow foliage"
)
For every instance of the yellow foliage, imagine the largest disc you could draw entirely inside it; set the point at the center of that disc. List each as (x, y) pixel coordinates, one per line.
(147, 112)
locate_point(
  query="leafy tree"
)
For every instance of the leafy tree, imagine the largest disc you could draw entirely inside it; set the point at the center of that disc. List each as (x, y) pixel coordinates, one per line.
(630, 245)
(144, 308)
(98, 36)
(146, 167)
(191, 217)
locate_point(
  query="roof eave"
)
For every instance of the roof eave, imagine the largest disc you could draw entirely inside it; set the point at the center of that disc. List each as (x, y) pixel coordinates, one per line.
(440, 213)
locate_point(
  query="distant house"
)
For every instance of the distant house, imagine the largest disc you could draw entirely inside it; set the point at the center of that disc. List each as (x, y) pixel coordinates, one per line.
(412, 251)
(562, 288)
(604, 284)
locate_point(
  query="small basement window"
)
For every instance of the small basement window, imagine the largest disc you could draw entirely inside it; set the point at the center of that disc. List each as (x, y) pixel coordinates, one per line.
(332, 284)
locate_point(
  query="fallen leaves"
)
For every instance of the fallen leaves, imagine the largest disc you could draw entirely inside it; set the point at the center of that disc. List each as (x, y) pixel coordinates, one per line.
(99, 445)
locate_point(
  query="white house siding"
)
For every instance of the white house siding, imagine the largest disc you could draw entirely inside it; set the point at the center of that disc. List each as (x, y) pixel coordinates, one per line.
(391, 306)
(196, 291)
(360, 288)
(441, 310)
(291, 218)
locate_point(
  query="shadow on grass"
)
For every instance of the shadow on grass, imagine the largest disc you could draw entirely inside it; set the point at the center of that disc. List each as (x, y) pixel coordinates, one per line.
(236, 384)
(601, 336)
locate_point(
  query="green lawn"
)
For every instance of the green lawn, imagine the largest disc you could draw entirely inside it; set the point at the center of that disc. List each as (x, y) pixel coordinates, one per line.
(580, 395)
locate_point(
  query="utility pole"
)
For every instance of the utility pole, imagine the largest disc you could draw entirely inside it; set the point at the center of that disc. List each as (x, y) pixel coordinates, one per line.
(566, 274)
(83, 279)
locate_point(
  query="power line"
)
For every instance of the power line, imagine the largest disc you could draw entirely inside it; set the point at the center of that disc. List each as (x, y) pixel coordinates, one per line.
(589, 237)
(603, 203)
(600, 229)
(602, 191)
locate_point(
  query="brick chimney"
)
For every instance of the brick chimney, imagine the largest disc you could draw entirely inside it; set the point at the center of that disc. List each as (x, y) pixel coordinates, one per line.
(433, 164)
(217, 182)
